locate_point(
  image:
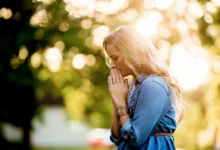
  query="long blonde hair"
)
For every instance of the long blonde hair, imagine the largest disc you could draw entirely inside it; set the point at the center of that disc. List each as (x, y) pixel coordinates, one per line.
(141, 56)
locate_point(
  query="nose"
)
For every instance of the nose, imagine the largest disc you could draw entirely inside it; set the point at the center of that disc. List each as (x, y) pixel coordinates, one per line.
(113, 65)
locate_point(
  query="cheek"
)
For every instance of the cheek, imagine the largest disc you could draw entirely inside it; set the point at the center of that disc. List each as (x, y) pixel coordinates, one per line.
(121, 61)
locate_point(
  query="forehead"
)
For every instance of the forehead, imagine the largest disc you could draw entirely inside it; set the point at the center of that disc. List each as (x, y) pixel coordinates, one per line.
(111, 49)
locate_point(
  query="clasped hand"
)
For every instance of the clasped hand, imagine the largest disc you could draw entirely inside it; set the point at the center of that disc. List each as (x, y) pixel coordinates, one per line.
(118, 87)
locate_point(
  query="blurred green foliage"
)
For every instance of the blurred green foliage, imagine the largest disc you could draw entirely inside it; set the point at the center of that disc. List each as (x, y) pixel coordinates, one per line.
(71, 31)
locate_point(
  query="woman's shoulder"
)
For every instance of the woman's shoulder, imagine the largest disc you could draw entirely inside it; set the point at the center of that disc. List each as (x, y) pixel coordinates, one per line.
(154, 78)
(157, 80)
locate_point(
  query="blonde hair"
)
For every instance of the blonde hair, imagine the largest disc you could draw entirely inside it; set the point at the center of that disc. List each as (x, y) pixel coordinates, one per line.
(141, 56)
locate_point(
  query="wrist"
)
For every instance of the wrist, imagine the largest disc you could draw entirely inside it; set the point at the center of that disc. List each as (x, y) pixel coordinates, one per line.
(120, 104)
(122, 110)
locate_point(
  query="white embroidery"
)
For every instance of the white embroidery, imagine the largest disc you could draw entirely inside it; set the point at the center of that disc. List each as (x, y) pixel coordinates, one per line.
(131, 90)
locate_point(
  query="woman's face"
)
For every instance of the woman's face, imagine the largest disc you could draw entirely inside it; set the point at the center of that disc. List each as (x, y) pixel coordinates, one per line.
(118, 60)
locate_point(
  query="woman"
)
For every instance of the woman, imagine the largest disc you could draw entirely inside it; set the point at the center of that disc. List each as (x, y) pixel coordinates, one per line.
(144, 111)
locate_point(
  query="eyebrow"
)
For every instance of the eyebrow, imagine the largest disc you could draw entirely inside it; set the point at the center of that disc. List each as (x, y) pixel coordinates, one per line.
(113, 56)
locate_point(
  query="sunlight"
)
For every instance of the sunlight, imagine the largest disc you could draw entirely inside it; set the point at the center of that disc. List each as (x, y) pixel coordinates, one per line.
(23, 52)
(191, 71)
(128, 15)
(212, 30)
(90, 60)
(110, 7)
(39, 18)
(208, 18)
(60, 45)
(211, 7)
(64, 26)
(195, 9)
(160, 4)
(53, 57)
(79, 61)
(80, 8)
(149, 4)
(86, 23)
(206, 136)
(5, 13)
(46, 2)
(36, 60)
(182, 26)
(99, 34)
(216, 64)
(180, 7)
(216, 2)
(148, 25)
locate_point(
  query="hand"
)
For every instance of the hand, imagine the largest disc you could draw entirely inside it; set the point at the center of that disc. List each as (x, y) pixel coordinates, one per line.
(118, 87)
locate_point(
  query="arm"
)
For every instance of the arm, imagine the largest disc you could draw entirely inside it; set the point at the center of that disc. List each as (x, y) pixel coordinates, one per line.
(115, 122)
(151, 104)
(115, 136)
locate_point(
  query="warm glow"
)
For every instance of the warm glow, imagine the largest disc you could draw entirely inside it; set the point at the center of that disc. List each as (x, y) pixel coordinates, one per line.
(46, 2)
(39, 18)
(5, 13)
(79, 61)
(160, 4)
(182, 26)
(149, 4)
(60, 45)
(205, 136)
(180, 7)
(164, 49)
(86, 23)
(36, 60)
(23, 52)
(212, 30)
(53, 57)
(208, 18)
(148, 25)
(90, 60)
(195, 9)
(191, 70)
(99, 34)
(211, 7)
(216, 2)
(80, 8)
(110, 7)
(216, 64)
(128, 15)
(64, 27)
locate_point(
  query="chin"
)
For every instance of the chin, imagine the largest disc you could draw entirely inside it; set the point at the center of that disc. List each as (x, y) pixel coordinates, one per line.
(124, 75)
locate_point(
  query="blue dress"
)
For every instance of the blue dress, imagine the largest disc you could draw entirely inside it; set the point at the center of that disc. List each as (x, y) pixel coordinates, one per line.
(150, 111)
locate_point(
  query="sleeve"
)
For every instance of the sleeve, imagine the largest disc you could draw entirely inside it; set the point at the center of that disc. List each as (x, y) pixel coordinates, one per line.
(114, 139)
(152, 102)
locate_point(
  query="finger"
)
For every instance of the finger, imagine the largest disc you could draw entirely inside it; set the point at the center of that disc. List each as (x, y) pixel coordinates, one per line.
(120, 77)
(116, 75)
(109, 80)
(113, 76)
(126, 82)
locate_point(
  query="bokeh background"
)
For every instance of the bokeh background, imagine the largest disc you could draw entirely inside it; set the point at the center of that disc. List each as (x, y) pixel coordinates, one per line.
(53, 76)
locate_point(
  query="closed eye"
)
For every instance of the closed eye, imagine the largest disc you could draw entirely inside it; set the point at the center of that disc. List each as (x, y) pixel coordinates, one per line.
(114, 58)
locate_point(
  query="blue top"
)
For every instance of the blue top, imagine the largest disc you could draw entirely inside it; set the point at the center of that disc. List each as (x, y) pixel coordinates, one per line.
(153, 104)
